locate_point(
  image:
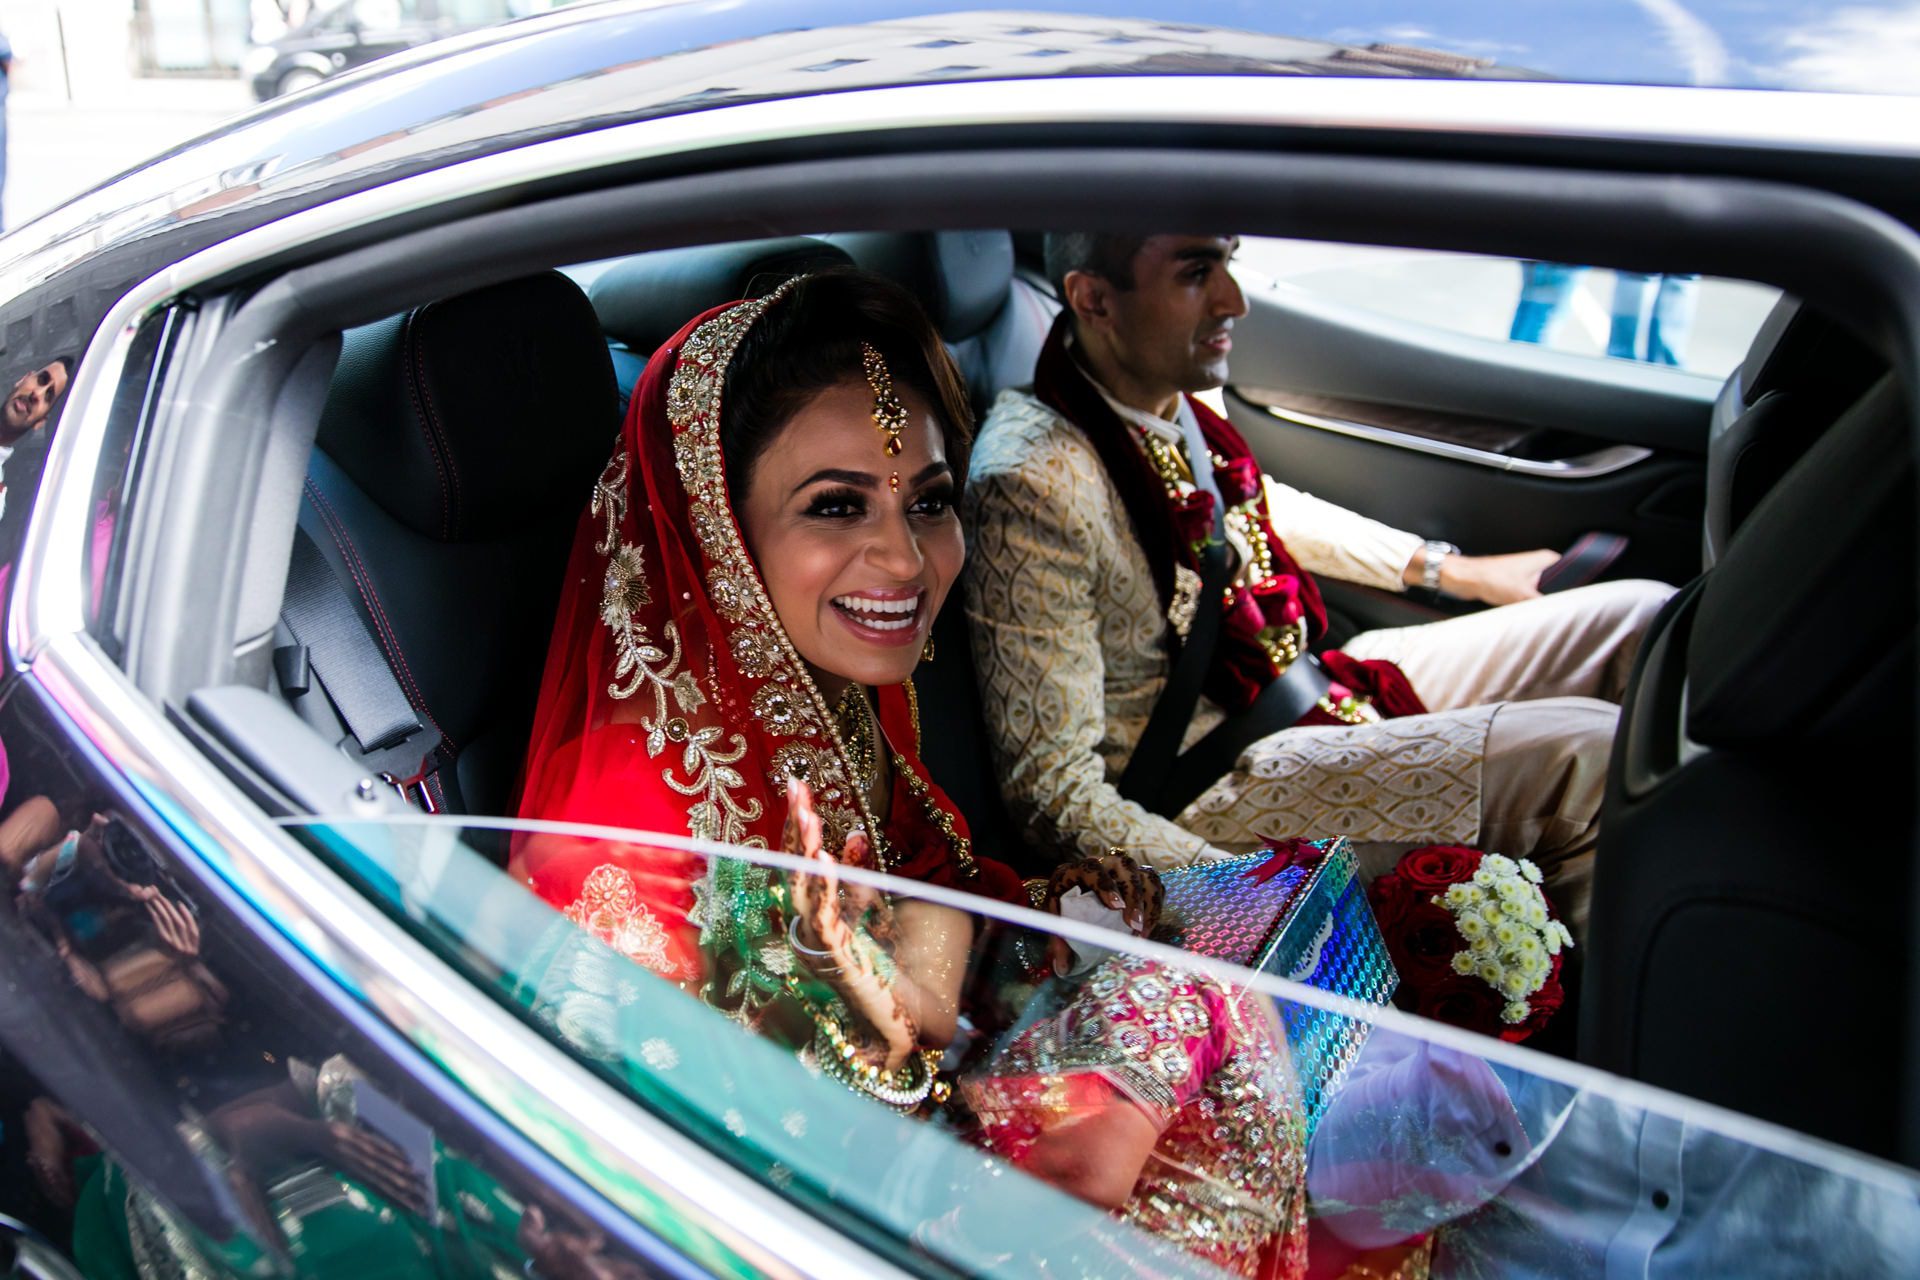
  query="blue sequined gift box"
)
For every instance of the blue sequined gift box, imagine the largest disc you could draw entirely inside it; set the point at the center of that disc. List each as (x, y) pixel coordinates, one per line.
(1310, 923)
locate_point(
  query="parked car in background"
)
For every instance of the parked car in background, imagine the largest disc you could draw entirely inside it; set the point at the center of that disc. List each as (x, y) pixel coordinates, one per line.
(340, 35)
(268, 1015)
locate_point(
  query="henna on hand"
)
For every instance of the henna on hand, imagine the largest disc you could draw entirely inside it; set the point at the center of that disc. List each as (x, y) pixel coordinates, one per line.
(819, 907)
(1131, 888)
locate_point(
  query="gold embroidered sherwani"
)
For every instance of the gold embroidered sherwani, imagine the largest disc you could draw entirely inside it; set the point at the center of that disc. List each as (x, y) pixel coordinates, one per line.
(1068, 637)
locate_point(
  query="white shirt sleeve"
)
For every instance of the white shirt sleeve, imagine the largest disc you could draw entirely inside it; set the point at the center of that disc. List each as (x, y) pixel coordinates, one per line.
(1337, 543)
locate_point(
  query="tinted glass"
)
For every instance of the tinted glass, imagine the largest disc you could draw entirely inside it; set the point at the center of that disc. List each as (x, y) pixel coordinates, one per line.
(135, 404)
(1253, 1117)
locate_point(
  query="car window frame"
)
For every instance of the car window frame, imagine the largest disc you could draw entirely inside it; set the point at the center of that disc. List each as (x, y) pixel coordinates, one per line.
(128, 708)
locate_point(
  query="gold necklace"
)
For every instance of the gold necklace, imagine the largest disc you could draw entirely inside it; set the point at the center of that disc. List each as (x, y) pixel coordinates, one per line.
(857, 734)
(961, 846)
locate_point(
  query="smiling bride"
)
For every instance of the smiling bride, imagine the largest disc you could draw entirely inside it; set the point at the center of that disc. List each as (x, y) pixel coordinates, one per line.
(747, 599)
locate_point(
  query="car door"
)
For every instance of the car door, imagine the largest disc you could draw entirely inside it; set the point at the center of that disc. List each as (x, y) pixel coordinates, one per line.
(1388, 381)
(182, 1091)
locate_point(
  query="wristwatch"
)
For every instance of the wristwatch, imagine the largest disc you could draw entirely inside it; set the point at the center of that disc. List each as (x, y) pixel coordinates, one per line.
(1430, 563)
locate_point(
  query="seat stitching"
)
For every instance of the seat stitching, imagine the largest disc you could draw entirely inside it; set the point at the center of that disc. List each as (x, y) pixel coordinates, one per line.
(456, 503)
(363, 582)
(413, 396)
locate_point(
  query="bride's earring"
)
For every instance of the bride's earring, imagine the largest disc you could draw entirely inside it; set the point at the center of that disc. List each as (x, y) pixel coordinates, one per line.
(926, 651)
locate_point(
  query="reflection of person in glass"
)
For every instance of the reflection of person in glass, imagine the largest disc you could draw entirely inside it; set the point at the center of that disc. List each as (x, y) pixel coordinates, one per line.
(33, 396)
(340, 1179)
(128, 936)
(748, 596)
(26, 409)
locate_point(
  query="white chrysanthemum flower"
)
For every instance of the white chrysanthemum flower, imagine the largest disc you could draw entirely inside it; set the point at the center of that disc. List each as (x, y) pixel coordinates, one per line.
(1481, 947)
(1456, 896)
(1474, 894)
(1536, 914)
(1513, 986)
(1471, 927)
(1498, 863)
(1506, 934)
(1489, 972)
(1483, 876)
(1566, 934)
(1516, 1011)
(1552, 940)
(1463, 962)
(1530, 947)
(1493, 913)
(1531, 872)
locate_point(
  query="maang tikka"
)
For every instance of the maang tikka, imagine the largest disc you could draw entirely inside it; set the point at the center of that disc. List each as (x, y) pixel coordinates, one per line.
(888, 413)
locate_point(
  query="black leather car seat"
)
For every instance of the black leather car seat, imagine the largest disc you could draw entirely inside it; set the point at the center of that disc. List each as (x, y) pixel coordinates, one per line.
(644, 300)
(458, 445)
(993, 319)
(1801, 372)
(1751, 921)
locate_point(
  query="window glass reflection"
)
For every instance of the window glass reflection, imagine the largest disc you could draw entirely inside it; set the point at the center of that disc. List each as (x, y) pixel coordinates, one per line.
(1107, 1103)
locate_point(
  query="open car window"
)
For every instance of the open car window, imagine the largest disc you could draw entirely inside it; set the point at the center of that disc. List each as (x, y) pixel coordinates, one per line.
(1285, 1112)
(1699, 324)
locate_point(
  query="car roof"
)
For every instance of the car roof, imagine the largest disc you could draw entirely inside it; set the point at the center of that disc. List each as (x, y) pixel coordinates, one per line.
(593, 65)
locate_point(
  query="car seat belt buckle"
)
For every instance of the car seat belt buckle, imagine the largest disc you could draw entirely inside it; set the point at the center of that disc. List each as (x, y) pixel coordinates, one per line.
(406, 765)
(414, 790)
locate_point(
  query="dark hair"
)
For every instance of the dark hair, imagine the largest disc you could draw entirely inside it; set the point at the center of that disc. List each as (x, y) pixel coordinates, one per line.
(810, 341)
(1096, 252)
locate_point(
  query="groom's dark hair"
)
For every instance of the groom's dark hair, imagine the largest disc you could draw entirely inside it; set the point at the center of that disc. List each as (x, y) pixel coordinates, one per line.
(810, 341)
(1096, 252)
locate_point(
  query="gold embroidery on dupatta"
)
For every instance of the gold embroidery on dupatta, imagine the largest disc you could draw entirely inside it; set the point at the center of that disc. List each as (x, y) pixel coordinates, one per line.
(707, 764)
(639, 662)
(610, 500)
(787, 703)
(610, 909)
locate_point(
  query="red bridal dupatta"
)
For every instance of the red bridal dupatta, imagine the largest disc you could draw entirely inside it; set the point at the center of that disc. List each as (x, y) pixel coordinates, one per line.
(673, 702)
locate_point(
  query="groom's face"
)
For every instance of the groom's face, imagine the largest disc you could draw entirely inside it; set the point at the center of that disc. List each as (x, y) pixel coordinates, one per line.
(1173, 330)
(858, 548)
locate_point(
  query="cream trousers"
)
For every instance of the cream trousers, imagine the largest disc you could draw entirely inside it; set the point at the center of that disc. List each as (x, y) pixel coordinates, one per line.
(1511, 758)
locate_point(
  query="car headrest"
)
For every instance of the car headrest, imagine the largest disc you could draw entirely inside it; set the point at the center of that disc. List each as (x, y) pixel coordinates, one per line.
(643, 301)
(471, 415)
(1798, 349)
(961, 277)
(1816, 589)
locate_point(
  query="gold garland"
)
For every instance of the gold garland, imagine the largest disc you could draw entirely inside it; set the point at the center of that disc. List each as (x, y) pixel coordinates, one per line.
(1283, 644)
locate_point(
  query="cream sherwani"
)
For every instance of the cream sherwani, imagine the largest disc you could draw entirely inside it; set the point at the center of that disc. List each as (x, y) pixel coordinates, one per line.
(1068, 635)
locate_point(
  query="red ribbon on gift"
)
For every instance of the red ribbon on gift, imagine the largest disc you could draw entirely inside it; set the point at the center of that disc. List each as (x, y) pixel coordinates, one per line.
(1286, 854)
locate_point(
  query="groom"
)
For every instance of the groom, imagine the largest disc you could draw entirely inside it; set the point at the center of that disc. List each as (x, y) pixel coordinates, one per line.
(1118, 526)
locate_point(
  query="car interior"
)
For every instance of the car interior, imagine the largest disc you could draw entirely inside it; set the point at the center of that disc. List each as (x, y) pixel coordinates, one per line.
(1751, 897)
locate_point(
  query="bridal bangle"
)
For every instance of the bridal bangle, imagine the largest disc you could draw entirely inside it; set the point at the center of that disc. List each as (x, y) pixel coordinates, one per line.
(801, 948)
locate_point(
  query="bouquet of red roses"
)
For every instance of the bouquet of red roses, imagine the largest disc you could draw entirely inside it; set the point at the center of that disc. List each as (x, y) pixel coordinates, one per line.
(1474, 938)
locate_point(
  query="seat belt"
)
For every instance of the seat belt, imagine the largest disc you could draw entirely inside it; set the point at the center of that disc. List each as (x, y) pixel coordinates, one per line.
(1153, 755)
(333, 640)
(1280, 705)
